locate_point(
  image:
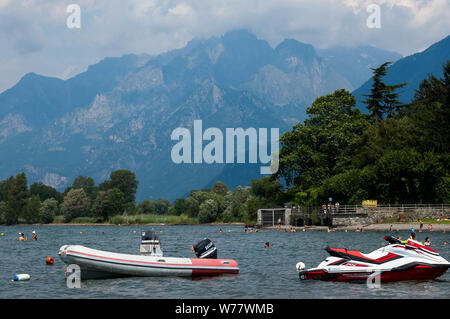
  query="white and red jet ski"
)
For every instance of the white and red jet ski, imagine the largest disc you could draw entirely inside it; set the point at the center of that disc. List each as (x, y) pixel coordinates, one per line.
(394, 262)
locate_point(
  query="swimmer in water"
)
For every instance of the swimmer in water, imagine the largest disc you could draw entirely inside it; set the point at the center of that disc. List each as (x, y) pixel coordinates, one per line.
(34, 235)
(412, 237)
(22, 237)
(266, 245)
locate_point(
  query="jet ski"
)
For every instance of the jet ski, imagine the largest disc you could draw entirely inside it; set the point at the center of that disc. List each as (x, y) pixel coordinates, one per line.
(394, 262)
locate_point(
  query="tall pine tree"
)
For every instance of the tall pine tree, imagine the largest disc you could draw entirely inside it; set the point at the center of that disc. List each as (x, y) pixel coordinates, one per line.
(383, 98)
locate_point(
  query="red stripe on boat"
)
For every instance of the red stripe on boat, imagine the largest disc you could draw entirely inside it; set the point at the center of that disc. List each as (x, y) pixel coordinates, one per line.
(215, 263)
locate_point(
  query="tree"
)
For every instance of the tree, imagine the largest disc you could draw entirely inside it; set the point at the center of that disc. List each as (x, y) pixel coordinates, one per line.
(145, 207)
(323, 146)
(397, 176)
(108, 203)
(208, 211)
(162, 206)
(180, 206)
(75, 204)
(125, 181)
(3, 190)
(10, 215)
(351, 187)
(249, 211)
(220, 188)
(429, 113)
(232, 203)
(2, 212)
(383, 98)
(44, 191)
(48, 211)
(15, 192)
(266, 189)
(31, 209)
(193, 206)
(390, 134)
(87, 184)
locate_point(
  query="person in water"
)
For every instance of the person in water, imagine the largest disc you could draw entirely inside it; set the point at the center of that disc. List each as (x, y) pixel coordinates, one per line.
(427, 242)
(411, 237)
(22, 237)
(34, 235)
(266, 245)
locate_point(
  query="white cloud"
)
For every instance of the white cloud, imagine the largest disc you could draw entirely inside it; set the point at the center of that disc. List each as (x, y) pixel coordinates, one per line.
(35, 38)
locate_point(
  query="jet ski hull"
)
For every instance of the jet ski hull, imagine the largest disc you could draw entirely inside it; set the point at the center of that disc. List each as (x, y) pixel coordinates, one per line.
(418, 272)
(395, 262)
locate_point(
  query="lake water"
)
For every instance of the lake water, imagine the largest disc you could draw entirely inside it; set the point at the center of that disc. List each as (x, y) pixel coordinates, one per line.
(264, 273)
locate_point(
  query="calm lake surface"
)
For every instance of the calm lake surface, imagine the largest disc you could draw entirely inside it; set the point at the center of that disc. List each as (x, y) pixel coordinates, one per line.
(264, 273)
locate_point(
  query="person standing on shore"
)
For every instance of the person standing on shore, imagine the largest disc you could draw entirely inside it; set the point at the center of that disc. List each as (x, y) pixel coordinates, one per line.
(421, 226)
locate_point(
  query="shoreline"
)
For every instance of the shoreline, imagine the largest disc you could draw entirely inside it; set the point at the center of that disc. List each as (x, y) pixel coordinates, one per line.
(370, 227)
(400, 227)
(149, 224)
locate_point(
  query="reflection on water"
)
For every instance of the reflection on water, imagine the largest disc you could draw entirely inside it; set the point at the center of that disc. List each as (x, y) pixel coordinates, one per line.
(264, 272)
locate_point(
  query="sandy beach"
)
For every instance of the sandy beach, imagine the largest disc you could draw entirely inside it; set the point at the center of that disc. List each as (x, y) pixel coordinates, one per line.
(403, 226)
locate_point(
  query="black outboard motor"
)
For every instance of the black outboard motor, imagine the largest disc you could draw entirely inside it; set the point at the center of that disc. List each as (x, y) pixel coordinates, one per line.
(205, 249)
(150, 245)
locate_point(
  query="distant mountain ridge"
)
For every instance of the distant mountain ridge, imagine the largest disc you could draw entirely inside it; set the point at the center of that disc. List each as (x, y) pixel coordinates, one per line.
(412, 70)
(121, 111)
(355, 63)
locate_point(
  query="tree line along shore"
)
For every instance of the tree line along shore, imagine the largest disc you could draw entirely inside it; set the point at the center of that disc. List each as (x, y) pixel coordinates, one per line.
(395, 153)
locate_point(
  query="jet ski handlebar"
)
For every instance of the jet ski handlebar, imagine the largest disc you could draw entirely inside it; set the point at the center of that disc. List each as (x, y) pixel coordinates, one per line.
(392, 240)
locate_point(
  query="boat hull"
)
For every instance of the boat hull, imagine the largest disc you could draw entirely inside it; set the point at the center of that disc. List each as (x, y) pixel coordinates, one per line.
(101, 264)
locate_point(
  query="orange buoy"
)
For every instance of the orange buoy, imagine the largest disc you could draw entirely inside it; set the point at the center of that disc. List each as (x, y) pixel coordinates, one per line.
(49, 260)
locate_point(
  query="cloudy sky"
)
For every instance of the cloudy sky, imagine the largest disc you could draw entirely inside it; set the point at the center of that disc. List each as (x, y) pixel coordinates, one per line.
(34, 36)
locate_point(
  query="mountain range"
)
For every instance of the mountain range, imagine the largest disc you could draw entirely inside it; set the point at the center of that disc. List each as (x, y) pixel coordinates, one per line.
(120, 112)
(412, 70)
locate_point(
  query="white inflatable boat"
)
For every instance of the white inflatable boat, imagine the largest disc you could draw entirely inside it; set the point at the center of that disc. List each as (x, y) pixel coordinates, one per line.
(103, 264)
